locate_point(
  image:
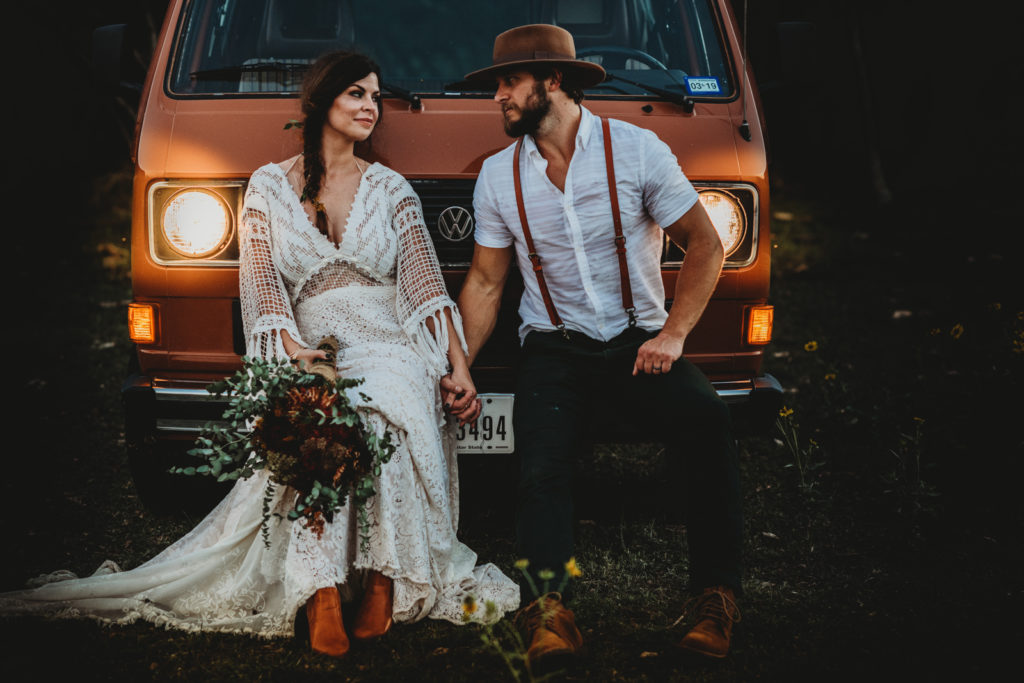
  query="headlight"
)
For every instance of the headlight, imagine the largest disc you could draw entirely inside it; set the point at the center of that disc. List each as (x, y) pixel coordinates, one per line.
(728, 217)
(196, 223)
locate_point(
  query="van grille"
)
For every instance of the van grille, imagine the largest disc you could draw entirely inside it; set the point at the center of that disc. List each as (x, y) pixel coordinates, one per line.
(437, 194)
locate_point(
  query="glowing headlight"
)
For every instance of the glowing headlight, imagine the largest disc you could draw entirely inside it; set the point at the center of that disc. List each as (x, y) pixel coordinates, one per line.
(196, 223)
(727, 216)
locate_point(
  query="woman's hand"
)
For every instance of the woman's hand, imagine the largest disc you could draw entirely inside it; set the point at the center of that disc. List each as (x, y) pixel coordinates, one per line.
(303, 358)
(459, 396)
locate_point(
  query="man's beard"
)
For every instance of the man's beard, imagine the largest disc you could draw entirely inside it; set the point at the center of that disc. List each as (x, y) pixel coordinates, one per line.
(537, 107)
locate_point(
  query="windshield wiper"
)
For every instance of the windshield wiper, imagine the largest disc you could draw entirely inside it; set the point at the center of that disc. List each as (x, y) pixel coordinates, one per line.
(231, 73)
(676, 98)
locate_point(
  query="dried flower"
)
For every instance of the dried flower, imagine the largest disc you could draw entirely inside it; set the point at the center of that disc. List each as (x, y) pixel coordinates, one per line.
(468, 605)
(572, 569)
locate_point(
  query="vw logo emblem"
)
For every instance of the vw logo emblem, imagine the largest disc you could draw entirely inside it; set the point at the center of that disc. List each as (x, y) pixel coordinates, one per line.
(455, 224)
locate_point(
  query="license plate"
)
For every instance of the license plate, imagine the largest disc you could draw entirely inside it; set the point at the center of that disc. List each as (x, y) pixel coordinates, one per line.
(492, 432)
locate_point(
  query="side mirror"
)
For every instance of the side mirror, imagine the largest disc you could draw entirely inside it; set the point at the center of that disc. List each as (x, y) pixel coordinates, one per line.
(107, 59)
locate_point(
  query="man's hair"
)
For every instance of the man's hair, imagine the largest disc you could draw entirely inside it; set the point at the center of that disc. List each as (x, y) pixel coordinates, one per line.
(569, 85)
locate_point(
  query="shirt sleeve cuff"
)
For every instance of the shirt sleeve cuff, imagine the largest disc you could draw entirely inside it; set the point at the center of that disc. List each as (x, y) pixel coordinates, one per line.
(678, 212)
(492, 241)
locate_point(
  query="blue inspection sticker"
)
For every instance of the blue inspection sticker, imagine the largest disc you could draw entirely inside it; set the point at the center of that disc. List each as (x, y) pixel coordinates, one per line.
(703, 86)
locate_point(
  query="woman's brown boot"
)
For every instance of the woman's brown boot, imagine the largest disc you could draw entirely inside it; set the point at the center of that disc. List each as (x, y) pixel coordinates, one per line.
(374, 617)
(326, 630)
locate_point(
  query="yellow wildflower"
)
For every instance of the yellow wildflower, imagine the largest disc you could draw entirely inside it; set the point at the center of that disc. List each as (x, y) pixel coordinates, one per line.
(468, 605)
(522, 563)
(572, 569)
(957, 331)
(785, 412)
(918, 419)
(830, 376)
(546, 574)
(997, 306)
(934, 331)
(811, 346)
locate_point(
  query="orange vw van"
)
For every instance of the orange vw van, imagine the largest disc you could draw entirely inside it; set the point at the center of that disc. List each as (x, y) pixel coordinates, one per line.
(223, 84)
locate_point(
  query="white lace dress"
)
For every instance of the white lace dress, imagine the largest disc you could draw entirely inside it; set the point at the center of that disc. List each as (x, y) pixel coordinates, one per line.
(374, 292)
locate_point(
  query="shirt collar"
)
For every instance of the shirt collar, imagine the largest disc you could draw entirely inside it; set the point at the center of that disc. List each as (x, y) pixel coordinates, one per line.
(583, 134)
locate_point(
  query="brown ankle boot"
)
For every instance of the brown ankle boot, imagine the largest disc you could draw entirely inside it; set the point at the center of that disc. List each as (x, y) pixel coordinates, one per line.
(550, 630)
(374, 619)
(326, 629)
(716, 613)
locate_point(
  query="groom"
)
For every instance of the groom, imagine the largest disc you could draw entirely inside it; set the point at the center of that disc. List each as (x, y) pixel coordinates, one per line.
(594, 323)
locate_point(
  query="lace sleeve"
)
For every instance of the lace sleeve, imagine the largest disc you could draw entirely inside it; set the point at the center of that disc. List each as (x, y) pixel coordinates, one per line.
(266, 309)
(422, 295)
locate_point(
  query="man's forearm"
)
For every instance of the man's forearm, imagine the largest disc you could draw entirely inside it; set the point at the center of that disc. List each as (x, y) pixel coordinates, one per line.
(479, 306)
(695, 283)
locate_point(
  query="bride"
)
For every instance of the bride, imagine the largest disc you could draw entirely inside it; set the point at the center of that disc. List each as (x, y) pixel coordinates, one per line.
(330, 245)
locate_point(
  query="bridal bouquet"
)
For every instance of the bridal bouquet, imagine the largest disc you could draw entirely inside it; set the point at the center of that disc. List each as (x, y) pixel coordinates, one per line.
(301, 426)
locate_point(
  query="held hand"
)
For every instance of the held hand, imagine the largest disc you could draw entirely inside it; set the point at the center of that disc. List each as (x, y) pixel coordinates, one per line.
(656, 355)
(303, 358)
(459, 396)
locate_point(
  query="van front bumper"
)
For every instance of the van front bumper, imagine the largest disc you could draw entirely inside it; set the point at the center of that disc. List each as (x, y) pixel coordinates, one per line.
(178, 409)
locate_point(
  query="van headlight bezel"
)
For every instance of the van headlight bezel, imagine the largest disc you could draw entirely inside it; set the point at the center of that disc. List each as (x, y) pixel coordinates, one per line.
(744, 253)
(168, 247)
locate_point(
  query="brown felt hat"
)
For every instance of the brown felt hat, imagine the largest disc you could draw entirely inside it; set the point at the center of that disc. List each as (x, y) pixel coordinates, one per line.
(522, 46)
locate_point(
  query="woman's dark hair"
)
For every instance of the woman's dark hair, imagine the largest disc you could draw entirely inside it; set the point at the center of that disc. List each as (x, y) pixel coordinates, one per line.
(326, 79)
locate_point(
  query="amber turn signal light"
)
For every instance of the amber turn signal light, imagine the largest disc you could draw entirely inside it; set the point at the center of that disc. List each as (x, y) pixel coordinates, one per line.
(759, 325)
(142, 323)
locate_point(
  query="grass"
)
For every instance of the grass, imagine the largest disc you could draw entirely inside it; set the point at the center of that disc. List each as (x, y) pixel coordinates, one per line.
(892, 550)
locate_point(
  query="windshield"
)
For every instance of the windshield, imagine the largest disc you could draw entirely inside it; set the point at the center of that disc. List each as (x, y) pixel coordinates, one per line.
(253, 47)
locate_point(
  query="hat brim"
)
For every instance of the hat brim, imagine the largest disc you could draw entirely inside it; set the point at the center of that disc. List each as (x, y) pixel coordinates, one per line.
(586, 74)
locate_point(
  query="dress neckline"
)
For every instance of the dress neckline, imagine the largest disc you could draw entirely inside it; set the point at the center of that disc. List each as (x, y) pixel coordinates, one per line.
(297, 202)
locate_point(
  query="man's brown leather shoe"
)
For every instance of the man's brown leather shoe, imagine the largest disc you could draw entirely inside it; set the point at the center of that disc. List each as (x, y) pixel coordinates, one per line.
(549, 628)
(374, 619)
(716, 613)
(326, 630)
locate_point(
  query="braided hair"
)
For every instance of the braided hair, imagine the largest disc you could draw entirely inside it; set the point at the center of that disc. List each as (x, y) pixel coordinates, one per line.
(326, 79)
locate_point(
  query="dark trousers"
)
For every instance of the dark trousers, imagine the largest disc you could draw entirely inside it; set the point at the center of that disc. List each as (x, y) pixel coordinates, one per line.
(559, 383)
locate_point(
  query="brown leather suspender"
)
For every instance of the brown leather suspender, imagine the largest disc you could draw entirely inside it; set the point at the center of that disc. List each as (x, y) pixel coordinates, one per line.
(534, 258)
(620, 240)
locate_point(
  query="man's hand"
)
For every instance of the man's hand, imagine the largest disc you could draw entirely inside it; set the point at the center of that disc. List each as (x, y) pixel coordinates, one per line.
(458, 394)
(657, 355)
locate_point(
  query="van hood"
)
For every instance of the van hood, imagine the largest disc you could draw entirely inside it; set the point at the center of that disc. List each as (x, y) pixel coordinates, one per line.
(447, 138)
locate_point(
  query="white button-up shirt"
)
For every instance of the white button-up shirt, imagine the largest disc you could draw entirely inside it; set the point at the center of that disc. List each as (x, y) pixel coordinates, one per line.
(573, 230)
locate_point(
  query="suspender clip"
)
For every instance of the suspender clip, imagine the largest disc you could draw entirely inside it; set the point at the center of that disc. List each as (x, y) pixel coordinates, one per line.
(565, 332)
(632, 316)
